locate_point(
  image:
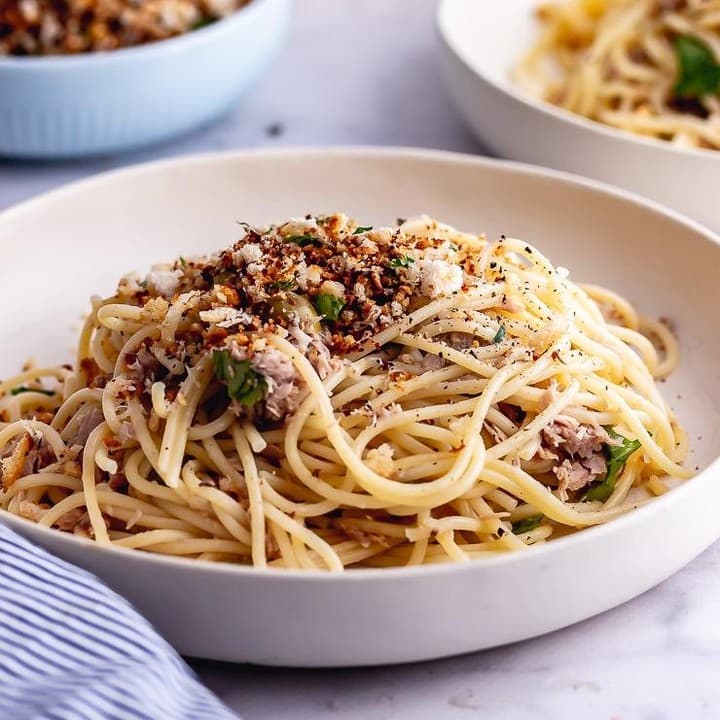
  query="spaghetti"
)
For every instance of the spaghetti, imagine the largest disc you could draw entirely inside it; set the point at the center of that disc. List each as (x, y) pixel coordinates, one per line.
(650, 67)
(324, 395)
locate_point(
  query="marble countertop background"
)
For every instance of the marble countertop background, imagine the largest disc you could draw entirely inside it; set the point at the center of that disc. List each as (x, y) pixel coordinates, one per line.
(655, 658)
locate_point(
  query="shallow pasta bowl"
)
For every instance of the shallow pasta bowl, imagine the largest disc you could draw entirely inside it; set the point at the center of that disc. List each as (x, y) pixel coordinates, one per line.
(483, 41)
(87, 235)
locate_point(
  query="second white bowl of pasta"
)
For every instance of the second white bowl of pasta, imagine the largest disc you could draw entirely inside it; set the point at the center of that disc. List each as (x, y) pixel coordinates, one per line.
(626, 92)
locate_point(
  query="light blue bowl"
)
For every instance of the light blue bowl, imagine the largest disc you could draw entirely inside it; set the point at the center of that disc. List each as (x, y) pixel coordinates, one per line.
(67, 106)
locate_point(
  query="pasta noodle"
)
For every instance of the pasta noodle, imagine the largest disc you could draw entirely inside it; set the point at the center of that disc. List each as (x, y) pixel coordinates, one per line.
(650, 67)
(323, 395)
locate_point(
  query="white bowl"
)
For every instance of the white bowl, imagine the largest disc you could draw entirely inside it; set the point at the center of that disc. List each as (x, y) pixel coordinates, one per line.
(483, 41)
(72, 105)
(84, 236)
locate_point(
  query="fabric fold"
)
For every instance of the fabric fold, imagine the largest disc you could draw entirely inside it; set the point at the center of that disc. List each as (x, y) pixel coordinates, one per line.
(72, 649)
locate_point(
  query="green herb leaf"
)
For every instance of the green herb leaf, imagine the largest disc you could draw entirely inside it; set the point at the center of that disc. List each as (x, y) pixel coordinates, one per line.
(221, 364)
(282, 284)
(304, 240)
(698, 70)
(183, 262)
(203, 22)
(402, 262)
(224, 277)
(527, 524)
(616, 456)
(24, 389)
(500, 334)
(243, 383)
(329, 306)
(361, 230)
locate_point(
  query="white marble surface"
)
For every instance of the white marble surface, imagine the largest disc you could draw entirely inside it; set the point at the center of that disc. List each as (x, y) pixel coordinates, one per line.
(366, 71)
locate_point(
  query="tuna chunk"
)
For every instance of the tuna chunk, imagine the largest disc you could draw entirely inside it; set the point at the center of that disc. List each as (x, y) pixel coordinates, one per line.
(566, 433)
(579, 447)
(576, 474)
(283, 391)
(77, 431)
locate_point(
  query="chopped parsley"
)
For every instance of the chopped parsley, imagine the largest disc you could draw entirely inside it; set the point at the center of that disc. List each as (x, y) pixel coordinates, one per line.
(183, 262)
(224, 277)
(698, 70)
(329, 306)
(243, 384)
(304, 240)
(25, 389)
(402, 262)
(203, 22)
(527, 524)
(283, 284)
(499, 335)
(361, 230)
(616, 456)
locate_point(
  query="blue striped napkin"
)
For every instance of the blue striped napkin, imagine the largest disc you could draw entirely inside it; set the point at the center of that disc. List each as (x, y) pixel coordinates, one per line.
(71, 649)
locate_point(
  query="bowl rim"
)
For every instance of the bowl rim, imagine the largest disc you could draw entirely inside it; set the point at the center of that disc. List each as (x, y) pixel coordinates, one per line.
(444, 11)
(52, 537)
(176, 43)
